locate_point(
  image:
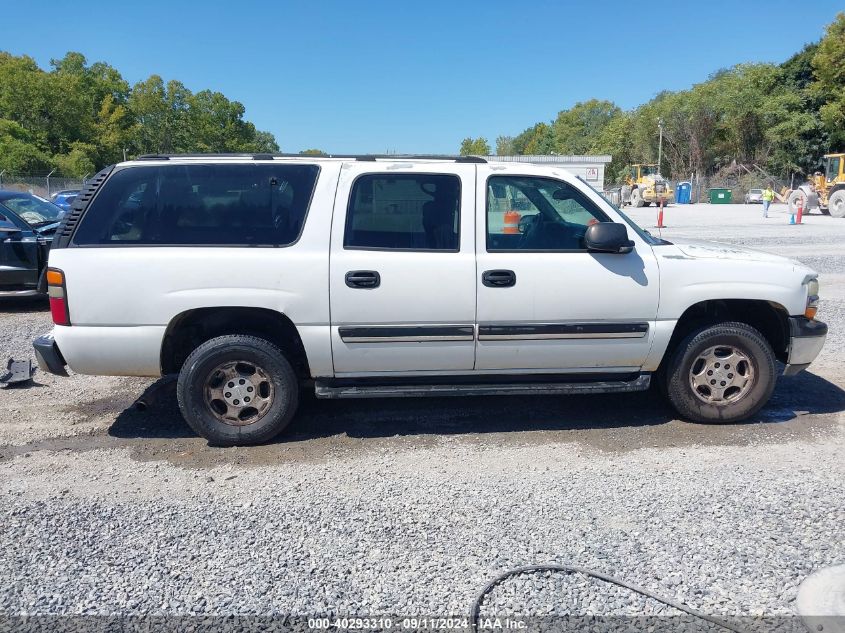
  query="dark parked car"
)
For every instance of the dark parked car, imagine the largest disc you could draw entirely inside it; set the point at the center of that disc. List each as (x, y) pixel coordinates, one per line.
(27, 226)
(64, 198)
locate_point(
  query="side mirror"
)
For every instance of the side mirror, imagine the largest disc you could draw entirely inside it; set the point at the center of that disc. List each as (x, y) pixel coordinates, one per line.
(608, 237)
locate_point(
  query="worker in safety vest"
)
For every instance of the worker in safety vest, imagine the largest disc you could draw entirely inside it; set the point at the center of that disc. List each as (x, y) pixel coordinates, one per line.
(768, 196)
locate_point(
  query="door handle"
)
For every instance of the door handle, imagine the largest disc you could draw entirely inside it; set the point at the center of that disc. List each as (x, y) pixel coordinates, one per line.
(363, 279)
(498, 278)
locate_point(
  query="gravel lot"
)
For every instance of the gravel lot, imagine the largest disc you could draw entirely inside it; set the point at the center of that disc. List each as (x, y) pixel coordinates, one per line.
(409, 507)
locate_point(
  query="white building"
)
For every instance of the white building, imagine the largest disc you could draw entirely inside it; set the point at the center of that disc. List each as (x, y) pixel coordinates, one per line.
(590, 168)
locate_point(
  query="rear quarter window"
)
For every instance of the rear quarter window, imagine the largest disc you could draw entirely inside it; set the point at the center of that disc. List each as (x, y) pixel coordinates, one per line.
(205, 204)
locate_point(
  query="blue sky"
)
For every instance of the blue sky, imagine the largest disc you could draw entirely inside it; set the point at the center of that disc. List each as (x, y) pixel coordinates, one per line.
(415, 77)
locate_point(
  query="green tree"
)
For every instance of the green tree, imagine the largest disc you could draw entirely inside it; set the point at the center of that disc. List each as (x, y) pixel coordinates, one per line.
(538, 139)
(78, 161)
(313, 152)
(829, 68)
(576, 130)
(505, 146)
(475, 147)
(18, 151)
(78, 117)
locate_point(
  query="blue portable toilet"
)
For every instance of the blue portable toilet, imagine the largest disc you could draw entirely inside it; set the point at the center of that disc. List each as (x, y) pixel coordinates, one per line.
(683, 193)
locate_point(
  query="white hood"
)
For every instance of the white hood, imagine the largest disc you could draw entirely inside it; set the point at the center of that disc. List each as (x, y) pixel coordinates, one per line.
(718, 250)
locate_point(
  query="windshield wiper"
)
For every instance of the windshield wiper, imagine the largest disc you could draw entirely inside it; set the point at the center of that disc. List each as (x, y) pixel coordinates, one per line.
(38, 225)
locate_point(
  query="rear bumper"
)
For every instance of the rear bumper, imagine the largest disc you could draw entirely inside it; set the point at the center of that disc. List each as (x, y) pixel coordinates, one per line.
(48, 355)
(806, 339)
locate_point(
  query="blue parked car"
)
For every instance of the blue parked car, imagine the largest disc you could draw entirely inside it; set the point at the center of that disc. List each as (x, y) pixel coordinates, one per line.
(63, 199)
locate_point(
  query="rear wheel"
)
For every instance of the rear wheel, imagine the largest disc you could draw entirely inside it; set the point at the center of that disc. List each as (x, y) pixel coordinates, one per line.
(836, 204)
(236, 390)
(721, 373)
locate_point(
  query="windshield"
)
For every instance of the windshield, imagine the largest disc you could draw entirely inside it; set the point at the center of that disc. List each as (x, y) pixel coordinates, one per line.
(833, 167)
(645, 235)
(756, 191)
(33, 210)
(649, 170)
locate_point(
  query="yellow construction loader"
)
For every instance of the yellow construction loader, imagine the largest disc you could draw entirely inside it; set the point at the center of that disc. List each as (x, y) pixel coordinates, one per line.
(825, 191)
(644, 185)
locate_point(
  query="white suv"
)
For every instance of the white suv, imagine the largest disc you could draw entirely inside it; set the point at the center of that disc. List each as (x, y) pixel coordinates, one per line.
(251, 276)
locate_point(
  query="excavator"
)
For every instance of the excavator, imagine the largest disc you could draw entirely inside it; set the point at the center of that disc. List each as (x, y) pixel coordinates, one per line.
(644, 185)
(825, 191)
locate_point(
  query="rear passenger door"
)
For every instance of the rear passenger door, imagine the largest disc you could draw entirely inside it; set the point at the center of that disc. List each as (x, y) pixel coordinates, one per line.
(402, 271)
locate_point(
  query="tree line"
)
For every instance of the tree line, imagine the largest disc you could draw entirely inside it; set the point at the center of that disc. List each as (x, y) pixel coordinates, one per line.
(77, 118)
(781, 117)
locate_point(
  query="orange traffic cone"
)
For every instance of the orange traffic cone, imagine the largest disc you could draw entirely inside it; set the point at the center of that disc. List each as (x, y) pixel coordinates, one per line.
(511, 222)
(660, 224)
(800, 210)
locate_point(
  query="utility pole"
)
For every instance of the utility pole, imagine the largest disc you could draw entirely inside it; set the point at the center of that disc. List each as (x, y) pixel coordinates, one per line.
(124, 154)
(660, 144)
(1, 178)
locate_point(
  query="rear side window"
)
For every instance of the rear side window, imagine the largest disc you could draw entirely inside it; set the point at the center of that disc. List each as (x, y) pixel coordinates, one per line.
(404, 212)
(230, 205)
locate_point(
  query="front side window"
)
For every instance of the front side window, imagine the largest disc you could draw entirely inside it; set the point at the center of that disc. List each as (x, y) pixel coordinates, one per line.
(404, 211)
(229, 205)
(526, 213)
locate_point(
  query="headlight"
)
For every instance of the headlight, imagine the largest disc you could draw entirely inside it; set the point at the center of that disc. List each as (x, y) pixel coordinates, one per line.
(812, 298)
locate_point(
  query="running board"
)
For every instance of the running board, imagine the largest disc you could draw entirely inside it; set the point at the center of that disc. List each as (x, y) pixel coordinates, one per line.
(324, 389)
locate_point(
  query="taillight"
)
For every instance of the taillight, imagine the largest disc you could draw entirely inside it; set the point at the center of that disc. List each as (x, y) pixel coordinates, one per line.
(57, 291)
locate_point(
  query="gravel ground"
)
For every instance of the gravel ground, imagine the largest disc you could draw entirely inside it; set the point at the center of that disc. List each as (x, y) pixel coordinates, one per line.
(407, 508)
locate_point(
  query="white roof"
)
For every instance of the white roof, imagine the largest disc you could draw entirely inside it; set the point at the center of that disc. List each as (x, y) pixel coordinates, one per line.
(555, 159)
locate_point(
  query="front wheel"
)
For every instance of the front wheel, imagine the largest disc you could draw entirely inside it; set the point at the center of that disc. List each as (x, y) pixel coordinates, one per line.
(795, 199)
(236, 390)
(636, 198)
(721, 373)
(836, 204)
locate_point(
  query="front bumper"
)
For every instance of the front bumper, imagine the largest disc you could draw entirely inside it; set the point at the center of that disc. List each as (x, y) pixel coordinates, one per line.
(48, 355)
(806, 339)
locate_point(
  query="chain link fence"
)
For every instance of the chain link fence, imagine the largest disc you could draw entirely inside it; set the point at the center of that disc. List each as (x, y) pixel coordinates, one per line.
(43, 186)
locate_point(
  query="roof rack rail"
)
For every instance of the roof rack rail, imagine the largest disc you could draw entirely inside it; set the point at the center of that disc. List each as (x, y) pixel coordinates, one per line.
(359, 157)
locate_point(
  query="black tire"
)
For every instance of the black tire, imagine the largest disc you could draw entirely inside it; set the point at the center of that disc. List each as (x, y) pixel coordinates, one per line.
(636, 198)
(742, 338)
(272, 371)
(836, 204)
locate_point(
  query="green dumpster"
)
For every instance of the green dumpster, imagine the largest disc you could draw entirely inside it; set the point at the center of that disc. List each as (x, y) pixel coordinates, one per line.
(720, 196)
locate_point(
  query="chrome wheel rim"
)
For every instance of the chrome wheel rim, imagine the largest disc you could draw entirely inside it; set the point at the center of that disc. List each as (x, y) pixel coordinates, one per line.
(238, 392)
(721, 375)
